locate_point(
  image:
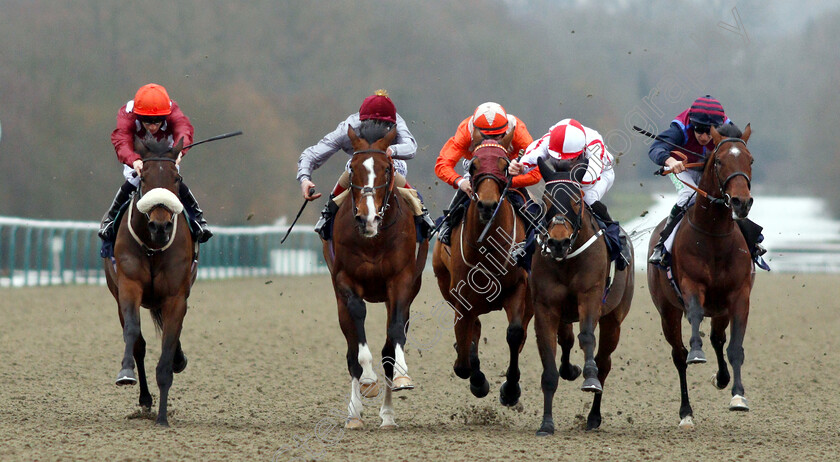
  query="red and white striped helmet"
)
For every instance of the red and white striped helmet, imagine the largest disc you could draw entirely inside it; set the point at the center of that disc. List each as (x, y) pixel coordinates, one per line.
(490, 118)
(567, 140)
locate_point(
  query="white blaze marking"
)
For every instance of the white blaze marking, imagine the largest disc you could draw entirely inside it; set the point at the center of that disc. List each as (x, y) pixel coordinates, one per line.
(371, 178)
(735, 151)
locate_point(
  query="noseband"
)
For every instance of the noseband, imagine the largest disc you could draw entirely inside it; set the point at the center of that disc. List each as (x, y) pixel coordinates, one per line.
(174, 216)
(561, 219)
(369, 191)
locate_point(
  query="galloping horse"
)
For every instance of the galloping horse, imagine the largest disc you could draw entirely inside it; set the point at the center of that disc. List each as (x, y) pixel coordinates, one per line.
(712, 269)
(372, 258)
(476, 279)
(153, 267)
(570, 283)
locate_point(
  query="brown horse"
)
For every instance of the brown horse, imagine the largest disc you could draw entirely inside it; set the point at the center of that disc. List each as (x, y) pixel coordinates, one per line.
(478, 278)
(712, 269)
(570, 283)
(372, 258)
(153, 267)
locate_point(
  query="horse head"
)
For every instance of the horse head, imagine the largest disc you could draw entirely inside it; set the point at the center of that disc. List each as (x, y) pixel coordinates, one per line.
(488, 174)
(159, 184)
(563, 202)
(371, 174)
(731, 167)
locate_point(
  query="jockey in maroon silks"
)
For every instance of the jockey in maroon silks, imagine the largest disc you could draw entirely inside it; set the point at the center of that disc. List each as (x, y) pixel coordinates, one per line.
(151, 115)
(691, 130)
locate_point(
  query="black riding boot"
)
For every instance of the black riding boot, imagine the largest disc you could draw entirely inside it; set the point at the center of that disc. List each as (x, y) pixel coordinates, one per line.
(677, 212)
(451, 216)
(323, 225)
(752, 234)
(600, 211)
(106, 228)
(203, 234)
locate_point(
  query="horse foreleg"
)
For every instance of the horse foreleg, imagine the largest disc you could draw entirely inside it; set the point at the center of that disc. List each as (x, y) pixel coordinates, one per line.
(140, 356)
(609, 332)
(589, 311)
(546, 324)
(694, 307)
(129, 311)
(510, 390)
(351, 317)
(740, 312)
(566, 340)
(718, 338)
(173, 310)
(671, 319)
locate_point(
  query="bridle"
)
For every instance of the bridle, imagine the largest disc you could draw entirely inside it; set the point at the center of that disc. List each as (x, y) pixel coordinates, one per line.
(369, 191)
(174, 216)
(560, 219)
(726, 198)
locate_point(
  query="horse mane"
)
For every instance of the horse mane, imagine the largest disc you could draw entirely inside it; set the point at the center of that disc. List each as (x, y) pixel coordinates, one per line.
(372, 130)
(730, 130)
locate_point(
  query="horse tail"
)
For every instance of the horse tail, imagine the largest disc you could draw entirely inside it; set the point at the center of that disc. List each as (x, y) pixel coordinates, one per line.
(157, 317)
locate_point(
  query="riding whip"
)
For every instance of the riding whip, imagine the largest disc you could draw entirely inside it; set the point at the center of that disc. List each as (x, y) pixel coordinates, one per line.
(215, 138)
(305, 201)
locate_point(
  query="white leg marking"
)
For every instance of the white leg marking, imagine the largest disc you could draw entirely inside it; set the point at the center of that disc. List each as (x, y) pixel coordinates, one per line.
(354, 408)
(400, 368)
(687, 423)
(366, 361)
(387, 411)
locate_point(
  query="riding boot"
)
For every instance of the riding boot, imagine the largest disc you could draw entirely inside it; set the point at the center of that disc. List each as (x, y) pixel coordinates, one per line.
(203, 234)
(425, 223)
(600, 211)
(450, 216)
(752, 234)
(322, 227)
(106, 228)
(658, 253)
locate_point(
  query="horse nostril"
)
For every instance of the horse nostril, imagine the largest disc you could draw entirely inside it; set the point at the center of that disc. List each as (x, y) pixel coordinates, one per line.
(750, 203)
(360, 220)
(736, 202)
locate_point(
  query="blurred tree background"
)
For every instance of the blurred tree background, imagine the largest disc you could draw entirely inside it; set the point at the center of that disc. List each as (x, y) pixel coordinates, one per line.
(286, 72)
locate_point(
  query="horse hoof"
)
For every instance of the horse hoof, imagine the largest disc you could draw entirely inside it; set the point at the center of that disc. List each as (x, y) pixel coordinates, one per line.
(162, 423)
(369, 390)
(126, 377)
(687, 423)
(593, 385)
(571, 375)
(696, 357)
(354, 423)
(179, 364)
(480, 391)
(545, 431)
(387, 427)
(715, 382)
(509, 395)
(738, 403)
(402, 382)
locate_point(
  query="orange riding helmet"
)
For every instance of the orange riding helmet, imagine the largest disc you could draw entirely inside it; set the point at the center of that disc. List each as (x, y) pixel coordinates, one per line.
(490, 119)
(152, 100)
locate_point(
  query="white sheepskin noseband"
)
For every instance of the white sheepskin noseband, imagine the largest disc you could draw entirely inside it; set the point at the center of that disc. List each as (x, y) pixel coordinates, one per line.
(160, 196)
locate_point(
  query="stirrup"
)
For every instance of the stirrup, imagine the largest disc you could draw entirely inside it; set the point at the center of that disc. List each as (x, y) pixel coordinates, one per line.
(759, 250)
(657, 256)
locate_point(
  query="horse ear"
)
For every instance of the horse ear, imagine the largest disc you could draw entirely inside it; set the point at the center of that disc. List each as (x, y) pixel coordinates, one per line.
(140, 147)
(176, 150)
(476, 139)
(545, 170)
(747, 132)
(354, 139)
(507, 139)
(578, 171)
(716, 137)
(391, 135)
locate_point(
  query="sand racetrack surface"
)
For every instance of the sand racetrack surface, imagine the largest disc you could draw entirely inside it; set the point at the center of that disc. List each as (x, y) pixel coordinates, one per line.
(267, 379)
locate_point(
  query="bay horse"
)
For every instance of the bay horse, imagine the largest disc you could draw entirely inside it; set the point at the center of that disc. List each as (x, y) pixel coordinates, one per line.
(153, 267)
(712, 269)
(372, 258)
(570, 283)
(479, 278)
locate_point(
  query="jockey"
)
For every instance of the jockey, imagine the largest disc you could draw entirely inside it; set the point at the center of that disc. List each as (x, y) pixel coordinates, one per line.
(375, 108)
(691, 130)
(150, 115)
(490, 121)
(570, 140)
